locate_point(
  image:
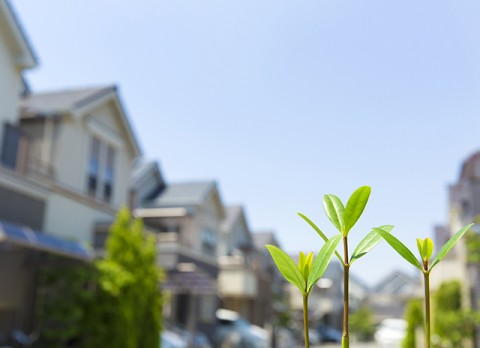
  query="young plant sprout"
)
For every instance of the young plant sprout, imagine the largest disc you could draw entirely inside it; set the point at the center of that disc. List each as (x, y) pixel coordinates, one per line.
(306, 274)
(425, 248)
(344, 218)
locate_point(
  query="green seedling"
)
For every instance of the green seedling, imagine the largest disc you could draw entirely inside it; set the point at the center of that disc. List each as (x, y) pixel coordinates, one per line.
(306, 274)
(344, 218)
(425, 249)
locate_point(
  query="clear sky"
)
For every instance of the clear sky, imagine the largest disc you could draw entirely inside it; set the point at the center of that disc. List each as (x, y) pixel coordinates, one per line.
(283, 101)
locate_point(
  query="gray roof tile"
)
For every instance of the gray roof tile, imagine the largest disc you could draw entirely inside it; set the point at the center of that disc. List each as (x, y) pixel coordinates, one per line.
(61, 101)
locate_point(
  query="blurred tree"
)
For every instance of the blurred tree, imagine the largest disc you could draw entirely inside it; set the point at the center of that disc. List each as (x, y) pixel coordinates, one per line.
(362, 324)
(414, 317)
(452, 324)
(472, 240)
(63, 295)
(127, 307)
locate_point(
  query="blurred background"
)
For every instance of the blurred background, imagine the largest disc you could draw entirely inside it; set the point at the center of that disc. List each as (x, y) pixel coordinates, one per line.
(214, 123)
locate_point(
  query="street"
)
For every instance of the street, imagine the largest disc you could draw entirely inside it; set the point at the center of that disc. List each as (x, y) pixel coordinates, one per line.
(353, 345)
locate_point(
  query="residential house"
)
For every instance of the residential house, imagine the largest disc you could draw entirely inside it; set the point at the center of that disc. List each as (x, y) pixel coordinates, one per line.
(187, 218)
(269, 280)
(238, 279)
(64, 168)
(464, 208)
(390, 296)
(325, 300)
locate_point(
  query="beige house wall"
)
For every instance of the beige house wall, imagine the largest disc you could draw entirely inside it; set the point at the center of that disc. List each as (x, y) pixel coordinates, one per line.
(10, 82)
(71, 219)
(75, 136)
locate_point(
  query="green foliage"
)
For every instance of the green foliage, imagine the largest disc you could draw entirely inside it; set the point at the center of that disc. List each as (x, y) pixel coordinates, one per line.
(472, 240)
(368, 243)
(401, 249)
(449, 245)
(452, 324)
(415, 318)
(308, 272)
(126, 310)
(425, 248)
(63, 294)
(344, 218)
(362, 324)
(320, 233)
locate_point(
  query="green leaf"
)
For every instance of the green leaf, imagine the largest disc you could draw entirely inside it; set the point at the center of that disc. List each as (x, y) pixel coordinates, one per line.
(335, 211)
(449, 245)
(399, 247)
(425, 248)
(355, 206)
(369, 242)
(304, 263)
(321, 262)
(320, 233)
(287, 267)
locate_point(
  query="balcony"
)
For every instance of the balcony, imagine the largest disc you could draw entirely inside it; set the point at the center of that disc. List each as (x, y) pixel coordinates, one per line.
(24, 154)
(237, 278)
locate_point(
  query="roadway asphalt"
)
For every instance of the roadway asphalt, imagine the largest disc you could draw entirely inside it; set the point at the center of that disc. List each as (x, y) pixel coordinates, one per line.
(352, 345)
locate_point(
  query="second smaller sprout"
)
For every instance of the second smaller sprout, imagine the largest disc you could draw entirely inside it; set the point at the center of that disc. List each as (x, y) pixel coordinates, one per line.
(306, 274)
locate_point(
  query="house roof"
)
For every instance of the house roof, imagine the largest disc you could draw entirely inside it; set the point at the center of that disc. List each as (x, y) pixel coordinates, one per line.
(396, 282)
(183, 194)
(469, 169)
(142, 169)
(232, 214)
(260, 239)
(8, 19)
(60, 102)
(76, 102)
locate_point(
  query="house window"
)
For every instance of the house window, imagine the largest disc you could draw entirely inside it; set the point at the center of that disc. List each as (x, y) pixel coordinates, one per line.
(93, 167)
(209, 242)
(108, 178)
(101, 170)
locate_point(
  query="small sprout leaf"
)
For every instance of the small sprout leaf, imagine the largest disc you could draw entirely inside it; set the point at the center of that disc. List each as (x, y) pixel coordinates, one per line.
(399, 247)
(369, 242)
(320, 233)
(322, 261)
(287, 267)
(335, 211)
(355, 206)
(449, 245)
(425, 247)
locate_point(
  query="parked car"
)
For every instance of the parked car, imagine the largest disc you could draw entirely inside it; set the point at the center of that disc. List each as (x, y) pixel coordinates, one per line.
(391, 332)
(329, 334)
(170, 339)
(285, 338)
(236, 332)
(198, 340)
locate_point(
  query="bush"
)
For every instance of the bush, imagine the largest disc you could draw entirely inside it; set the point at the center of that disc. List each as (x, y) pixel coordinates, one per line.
(362, 324)
(126, 310)
(414, 317)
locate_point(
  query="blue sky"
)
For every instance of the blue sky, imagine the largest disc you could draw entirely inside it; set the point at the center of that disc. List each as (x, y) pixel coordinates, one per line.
(284, 101)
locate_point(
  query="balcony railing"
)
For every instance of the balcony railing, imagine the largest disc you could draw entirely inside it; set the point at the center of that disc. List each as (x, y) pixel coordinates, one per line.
(23, 154)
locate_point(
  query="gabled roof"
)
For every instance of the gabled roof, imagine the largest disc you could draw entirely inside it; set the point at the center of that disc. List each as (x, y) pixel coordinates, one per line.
(25, 58)
(76, 102)
(260, 239)
(396, 282)
(179, 194)
(143, 169)
(469, 169)
(187, 195)
(232, 214)
(61, 102)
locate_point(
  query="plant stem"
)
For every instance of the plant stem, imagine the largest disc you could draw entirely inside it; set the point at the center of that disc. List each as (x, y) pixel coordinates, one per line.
(305, 321)
(346, 269)
(426, 277)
